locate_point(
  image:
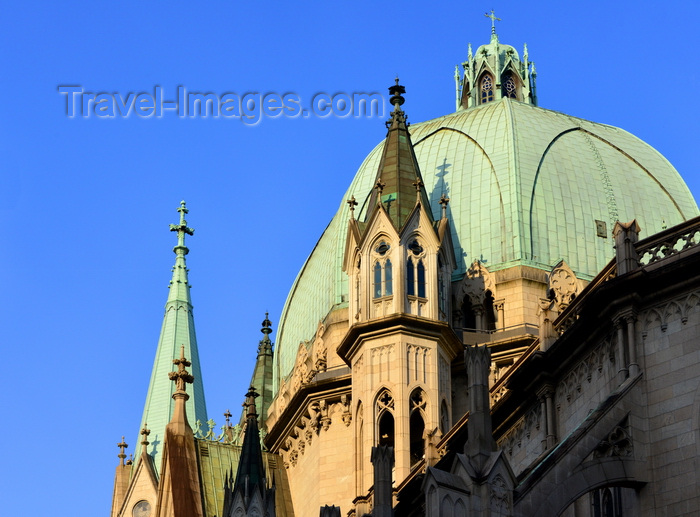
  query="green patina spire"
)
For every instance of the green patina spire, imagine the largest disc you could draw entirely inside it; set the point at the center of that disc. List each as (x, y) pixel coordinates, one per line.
(398, 186)
(177, 332)
(262, 374)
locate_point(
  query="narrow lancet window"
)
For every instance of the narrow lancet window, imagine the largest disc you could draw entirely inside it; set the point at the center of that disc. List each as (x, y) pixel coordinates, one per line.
(410, 279)
(377, 280)
(421, 279)
(387, 278)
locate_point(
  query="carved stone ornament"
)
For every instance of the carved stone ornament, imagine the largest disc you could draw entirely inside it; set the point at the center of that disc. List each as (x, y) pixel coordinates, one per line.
(477, 280)
(500, 495)
(320, 351)
(618, 443)
(563, 285)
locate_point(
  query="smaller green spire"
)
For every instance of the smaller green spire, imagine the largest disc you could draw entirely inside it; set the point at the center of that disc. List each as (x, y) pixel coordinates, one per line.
(398, 185)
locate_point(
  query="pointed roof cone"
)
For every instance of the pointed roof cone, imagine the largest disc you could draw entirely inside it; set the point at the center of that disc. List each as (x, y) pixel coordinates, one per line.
(399, 185)
(177, 331)
(251, 470)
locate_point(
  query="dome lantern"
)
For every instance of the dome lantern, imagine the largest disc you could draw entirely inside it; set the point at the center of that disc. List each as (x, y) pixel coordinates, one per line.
(494, 72)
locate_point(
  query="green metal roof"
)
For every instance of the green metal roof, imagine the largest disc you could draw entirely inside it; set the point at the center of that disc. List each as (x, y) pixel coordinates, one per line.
(218, 461)
(177, 330)
(526, 185)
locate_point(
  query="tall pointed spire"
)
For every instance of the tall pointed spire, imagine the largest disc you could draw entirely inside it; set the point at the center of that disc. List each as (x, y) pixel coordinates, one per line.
(177, 331)
(398, 176)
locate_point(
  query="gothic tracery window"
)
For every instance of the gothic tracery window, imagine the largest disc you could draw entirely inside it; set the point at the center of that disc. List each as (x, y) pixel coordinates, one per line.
(385, 418)
(415, 271)
(486, 88)
(510, 88)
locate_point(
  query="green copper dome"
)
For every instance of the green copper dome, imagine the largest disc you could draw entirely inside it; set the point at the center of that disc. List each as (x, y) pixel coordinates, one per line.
(527, 186)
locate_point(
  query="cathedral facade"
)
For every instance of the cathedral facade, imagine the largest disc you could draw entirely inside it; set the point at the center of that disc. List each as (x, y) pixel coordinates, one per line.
(503, 318)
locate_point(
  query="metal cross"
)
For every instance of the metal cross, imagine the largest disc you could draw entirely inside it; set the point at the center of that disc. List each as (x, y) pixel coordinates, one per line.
(228, 415)
(493, 21)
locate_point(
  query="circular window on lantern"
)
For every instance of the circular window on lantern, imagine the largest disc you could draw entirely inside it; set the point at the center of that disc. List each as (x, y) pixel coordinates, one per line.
(142, 509)
(382, 248)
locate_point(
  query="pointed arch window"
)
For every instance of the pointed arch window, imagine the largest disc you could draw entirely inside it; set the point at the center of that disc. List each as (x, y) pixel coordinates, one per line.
(486, 88)
(415, 277)
(416, 423)
(510, 87)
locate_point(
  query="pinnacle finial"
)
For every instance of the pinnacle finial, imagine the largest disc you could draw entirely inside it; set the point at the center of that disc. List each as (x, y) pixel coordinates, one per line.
(181, 376)
(145, 432)
(228, 416)
(122, 445)
(352, 204)
(493, 21)
(396, 98)
(419, 185)
(182, 229)
(249, 403)
(266, 325)
(379, 185)
(444, 200)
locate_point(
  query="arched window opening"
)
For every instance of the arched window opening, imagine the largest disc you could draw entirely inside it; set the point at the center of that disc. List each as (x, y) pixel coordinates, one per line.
(486, 88)
(377, 280)
(421, 279)
(417, 444)
(510, 87)
(489, 314)
(387, 278)
(415, 278)
(386, 429)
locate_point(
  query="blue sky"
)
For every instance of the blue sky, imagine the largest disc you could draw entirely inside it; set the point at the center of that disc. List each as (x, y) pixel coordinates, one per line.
(86, 201)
